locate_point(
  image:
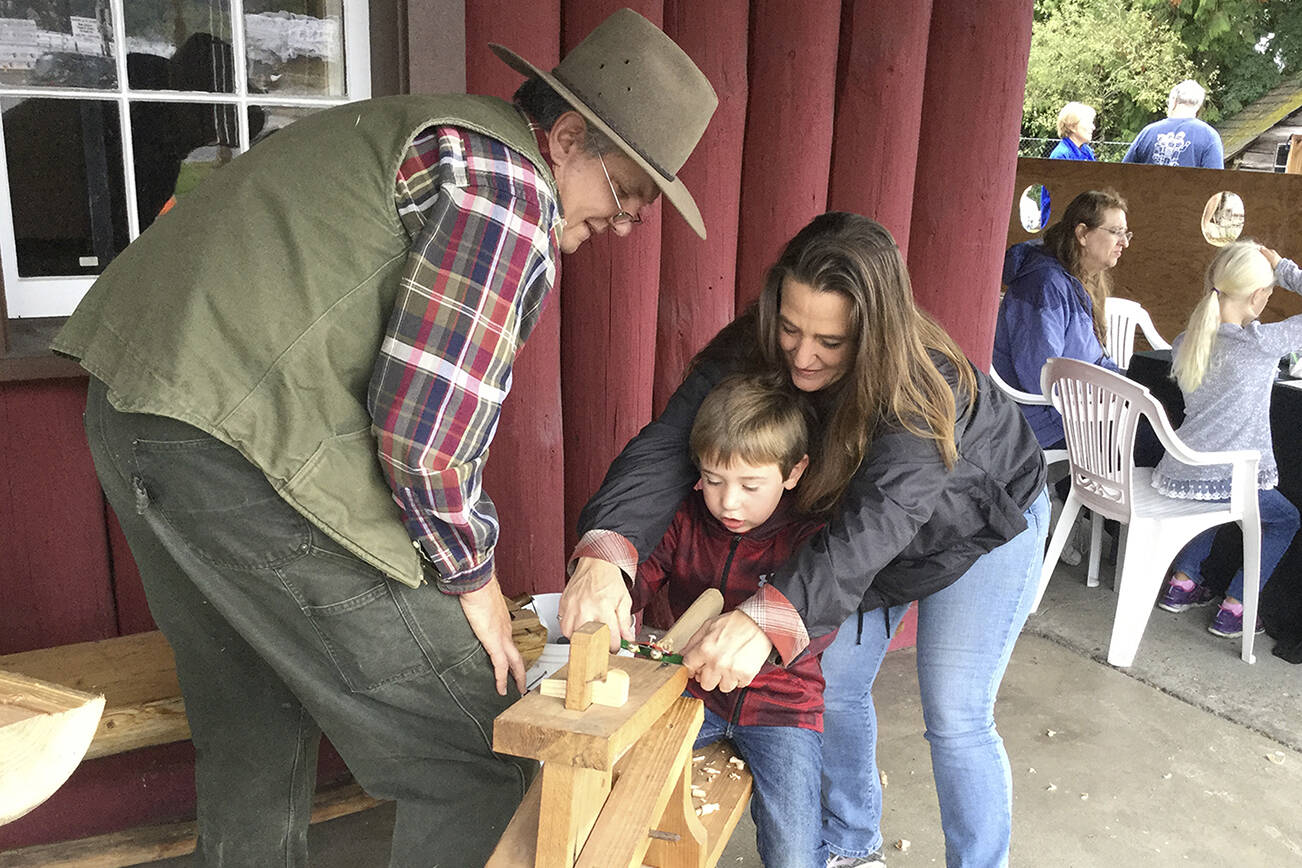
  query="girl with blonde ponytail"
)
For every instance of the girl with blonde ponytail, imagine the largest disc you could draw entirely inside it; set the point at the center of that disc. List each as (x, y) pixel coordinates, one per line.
(1225, 363)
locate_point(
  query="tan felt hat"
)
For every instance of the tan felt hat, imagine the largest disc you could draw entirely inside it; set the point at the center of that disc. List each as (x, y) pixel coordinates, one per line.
(636, 86)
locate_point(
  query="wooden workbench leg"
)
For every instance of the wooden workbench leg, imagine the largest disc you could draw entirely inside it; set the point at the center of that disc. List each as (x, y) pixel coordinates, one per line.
(680, 819)
(571, 799)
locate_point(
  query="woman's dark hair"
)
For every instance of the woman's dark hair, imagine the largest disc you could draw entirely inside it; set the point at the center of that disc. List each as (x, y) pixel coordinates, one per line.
(1087, 209)
(892, 374)
(541, 102)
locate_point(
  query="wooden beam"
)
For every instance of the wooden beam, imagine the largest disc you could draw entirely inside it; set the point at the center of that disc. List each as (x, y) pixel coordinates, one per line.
(137, 676)
(1294, 164)
(153, 843)
(647, 777)
(541, 728)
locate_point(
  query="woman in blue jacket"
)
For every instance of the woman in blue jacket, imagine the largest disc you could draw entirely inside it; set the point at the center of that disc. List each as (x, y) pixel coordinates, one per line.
(1054, 304)
(1076, 127)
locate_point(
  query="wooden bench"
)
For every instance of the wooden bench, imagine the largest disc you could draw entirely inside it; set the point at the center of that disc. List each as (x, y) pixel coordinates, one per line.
(136, 674)
(620, 786)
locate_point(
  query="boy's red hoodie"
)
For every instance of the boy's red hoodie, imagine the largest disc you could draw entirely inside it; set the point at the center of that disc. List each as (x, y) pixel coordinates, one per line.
(697, 552)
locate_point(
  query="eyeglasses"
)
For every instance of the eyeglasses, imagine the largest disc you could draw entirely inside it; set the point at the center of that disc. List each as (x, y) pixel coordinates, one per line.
(1124, 234)
(622, 217)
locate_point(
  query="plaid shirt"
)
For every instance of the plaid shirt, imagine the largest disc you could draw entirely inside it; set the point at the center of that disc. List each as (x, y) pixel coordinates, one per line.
(485, 245)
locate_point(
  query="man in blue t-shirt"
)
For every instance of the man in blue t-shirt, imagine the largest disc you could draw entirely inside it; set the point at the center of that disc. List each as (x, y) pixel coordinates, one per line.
(1181, 139)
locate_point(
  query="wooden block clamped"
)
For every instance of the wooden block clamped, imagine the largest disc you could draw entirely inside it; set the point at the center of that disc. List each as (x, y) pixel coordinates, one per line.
(611, 691)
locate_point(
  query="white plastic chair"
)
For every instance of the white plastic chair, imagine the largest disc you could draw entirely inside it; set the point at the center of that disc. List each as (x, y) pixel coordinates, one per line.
(1123, 317)
(1100, 412)
(1051, 457)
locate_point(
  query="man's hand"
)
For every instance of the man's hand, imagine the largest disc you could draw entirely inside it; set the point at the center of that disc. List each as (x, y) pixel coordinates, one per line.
(596, 592)
(486, 611)
(727, 652)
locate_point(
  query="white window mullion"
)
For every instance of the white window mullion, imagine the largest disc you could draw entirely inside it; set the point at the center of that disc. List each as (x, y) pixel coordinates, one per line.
(238, 44)
(357, 49)
(124, 117)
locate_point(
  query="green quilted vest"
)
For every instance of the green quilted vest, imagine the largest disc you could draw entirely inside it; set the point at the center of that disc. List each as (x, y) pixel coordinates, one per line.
(254, 310)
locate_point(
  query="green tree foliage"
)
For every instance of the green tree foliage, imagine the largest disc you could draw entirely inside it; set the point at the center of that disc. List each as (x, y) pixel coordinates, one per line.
(1249, 46)
(1116, 56)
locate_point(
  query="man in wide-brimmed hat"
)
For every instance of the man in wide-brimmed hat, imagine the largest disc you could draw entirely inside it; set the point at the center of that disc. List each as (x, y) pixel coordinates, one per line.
(296, 374)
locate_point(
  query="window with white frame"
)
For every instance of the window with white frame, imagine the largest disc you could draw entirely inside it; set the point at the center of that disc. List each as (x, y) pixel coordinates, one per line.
(110, 110)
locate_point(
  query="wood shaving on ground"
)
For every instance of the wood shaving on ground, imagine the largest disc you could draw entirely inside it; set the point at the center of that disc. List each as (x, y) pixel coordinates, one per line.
(710, 770)
(698, 793)
(733, 776)
(1277, 757)
(1084, 797)
(881, 775)
(1050, 732)
(738, 762)
(903, 845)
(707, 809)
(1053, 788)
(697, 759)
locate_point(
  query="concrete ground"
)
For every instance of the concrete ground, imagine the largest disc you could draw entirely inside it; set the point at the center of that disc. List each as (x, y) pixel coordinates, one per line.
(1190, 757)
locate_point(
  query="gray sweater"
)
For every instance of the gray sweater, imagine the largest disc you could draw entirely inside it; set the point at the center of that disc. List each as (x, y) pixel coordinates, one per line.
(1231, 408)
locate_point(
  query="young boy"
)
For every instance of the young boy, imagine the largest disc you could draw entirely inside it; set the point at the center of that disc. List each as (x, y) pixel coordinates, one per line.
(730, 533)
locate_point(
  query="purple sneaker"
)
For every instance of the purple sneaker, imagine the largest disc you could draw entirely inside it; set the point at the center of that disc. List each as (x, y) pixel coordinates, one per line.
(1230, 625)
(1177, 599)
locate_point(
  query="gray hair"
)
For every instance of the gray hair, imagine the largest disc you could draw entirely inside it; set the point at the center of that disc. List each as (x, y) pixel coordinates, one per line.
(1187, 92)
(542, 103)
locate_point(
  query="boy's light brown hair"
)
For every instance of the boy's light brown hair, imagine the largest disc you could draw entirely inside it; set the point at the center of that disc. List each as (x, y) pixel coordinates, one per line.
(747, 418)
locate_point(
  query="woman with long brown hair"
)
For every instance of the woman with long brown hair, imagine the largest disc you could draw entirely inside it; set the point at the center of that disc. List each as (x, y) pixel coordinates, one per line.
(933, 490)
(1054, 306)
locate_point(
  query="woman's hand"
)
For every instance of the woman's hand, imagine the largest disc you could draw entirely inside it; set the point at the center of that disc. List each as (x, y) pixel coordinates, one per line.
(1271, 256)
(727, 652)
(596, 592)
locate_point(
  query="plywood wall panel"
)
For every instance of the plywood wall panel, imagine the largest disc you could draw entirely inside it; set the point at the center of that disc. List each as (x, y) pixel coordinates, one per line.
(1163, 267)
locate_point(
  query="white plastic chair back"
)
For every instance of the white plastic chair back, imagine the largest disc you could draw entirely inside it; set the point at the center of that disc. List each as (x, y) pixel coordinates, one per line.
(1100, 411)
(1123, 316)
(1100, 415)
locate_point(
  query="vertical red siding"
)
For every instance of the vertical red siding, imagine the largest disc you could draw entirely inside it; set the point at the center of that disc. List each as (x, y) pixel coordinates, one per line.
(907, 112)
(54, 572)
(879, 110)
(608, 320)
(967, 163)
(697, 277)
(788, 150)
(526, 474)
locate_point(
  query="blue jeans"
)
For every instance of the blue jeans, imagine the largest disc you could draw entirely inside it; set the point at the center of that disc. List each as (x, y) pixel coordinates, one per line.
(784, 762)
(1279, 524)
(965, 637)
(280, 633)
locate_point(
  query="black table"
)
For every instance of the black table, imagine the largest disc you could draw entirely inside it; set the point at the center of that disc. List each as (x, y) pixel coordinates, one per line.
(1281, 599)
